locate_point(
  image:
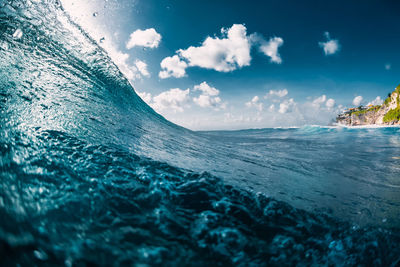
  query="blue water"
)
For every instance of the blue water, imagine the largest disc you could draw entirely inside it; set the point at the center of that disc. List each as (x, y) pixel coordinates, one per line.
(92, 175)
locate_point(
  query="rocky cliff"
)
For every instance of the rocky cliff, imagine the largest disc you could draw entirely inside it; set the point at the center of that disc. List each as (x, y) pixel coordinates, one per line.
(386, 114)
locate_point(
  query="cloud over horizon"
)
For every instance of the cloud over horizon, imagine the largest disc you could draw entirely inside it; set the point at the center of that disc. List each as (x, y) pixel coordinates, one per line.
(277, 93)
(377, 101)
(255, 102)
(286, 106)
(177, 100)
(174, 99)
(208, 97)
(357, 100)
(287, 111)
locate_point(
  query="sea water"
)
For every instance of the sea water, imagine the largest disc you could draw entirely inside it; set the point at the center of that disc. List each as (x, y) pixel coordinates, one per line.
(92, 175)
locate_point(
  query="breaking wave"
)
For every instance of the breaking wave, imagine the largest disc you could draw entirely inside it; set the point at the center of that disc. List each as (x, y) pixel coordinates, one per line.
(92, 175)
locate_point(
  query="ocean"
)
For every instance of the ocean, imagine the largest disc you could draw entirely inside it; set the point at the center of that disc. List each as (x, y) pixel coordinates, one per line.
(91, 175)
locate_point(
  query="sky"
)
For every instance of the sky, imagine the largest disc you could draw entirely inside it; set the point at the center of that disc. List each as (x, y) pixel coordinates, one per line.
(221, 65)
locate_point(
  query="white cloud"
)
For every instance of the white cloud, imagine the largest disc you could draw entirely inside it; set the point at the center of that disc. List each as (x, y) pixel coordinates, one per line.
(278, 93)
(146, 97)
(388, 66)
(255, 102)
(121, 60)
(376, 101)
(286, 106)
(331, 46)
(206, 101)
(131, 71)
(172, 67)
(270, 49)
(173, 99)
(206, 89)
(224, 54)
(330, 103)
(319, 101)
(271, 108)
(146, 38)
(357, 100)
(208, 97)
(142, 68)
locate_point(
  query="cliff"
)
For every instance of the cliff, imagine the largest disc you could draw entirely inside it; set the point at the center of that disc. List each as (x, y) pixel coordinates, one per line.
(386, 114)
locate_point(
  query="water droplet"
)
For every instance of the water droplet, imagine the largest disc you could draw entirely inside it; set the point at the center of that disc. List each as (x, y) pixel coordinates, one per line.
(17, 34)
(40, 255)
(95, 14)
(4, 46)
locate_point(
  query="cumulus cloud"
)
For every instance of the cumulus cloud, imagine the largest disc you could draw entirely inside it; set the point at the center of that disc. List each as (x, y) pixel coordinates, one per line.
(121, 60)
(173, 99)
(270, 49)
(319, 101)
(271, 108)
(146, 97)
(205, 101)
(286, 106)
(255, 102)
(208, 97)
(330, 103)
(224, 54)
(331, 46)
(277, 93)
(177, 100)
(377, 101)
(146, 38)
(172, 67)
(357, 100)
(131, 71)
(141, 66)
(206, 89)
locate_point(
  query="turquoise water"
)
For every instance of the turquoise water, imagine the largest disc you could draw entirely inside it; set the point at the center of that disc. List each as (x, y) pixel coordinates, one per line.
(91, 175)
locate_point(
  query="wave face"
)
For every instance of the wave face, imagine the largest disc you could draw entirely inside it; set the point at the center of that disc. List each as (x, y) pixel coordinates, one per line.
(91, 175)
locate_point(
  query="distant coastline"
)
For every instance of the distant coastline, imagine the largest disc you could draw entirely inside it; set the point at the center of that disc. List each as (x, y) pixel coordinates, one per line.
(381, 115)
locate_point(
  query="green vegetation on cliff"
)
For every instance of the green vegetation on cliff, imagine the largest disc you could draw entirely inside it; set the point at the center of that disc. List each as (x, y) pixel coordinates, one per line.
(387, 100)
(392, 115)
(363, 111)
(397, 90)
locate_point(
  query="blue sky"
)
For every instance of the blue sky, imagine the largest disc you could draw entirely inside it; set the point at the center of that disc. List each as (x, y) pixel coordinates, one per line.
(249, 64)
